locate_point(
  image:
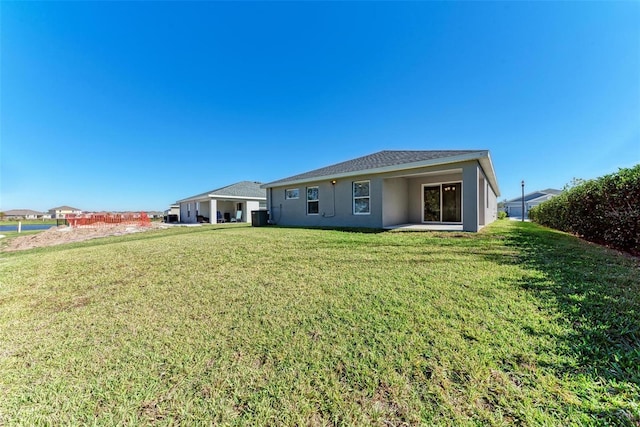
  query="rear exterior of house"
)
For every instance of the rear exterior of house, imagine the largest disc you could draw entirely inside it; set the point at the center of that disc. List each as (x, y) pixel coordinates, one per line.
(390, 188)
(233, 203)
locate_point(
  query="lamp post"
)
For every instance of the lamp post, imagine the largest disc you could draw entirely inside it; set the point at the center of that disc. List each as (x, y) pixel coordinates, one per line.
(522, 183)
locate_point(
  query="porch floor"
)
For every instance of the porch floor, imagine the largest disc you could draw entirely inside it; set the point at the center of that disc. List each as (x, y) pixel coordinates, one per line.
(425, 227)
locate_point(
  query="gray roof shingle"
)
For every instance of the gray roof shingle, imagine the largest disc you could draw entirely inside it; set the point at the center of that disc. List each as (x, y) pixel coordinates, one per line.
(381, 159)
(65, 208)
(248, 189)
(21, 212)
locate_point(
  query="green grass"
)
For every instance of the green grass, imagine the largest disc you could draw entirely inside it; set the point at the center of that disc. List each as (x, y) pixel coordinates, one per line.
(517, 325)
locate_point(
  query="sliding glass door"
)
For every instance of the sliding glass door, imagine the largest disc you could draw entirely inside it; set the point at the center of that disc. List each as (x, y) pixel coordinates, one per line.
(431, 204)
(442, 202)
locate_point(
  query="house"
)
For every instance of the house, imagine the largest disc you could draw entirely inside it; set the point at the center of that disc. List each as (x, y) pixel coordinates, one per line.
(63, 211)
(172, 214)
(513, 207)
(23, 214)
(390, 188)
(235, 203)
(154, 214)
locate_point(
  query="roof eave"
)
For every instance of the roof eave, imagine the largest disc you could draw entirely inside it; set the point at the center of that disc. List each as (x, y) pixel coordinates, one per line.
(487, 167)
(476, 155)
(206, 196)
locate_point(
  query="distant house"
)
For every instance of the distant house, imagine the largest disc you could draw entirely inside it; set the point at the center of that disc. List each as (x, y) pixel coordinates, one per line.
(154, 214)
(513, 207)
(234, 203)
(62, 211)
(23, 214)
(172, 214)
(391, 188)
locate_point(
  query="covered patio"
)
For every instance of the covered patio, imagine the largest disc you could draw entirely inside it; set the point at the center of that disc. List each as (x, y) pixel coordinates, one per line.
(425, 227)
(441, 198)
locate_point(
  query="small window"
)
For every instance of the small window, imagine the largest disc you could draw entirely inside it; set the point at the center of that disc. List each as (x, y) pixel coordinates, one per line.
(361, 198)
(291, 193)
(313, 205)
(188, 209)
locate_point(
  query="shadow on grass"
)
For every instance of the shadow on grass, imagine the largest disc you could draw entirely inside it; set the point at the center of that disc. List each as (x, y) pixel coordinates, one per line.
(359, 230)
(595, 289)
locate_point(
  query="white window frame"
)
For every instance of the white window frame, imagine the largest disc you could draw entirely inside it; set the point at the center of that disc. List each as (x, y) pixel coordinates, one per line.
(354, 197)
(286, 193)
(313, 200)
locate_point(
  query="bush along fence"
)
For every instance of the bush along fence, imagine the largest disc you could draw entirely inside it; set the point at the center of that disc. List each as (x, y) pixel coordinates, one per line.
(604, 210)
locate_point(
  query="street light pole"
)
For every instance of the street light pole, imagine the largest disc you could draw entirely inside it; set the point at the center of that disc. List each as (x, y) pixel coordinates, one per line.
(522, 183)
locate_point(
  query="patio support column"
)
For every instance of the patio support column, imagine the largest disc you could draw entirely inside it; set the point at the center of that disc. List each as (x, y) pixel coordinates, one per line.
(470, 197)
(213, 211)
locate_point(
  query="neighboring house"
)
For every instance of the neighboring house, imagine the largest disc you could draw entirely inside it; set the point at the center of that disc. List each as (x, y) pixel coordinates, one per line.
(391, 188)
(154, 214)
(513, 207)
(62, 211)
(23, 214)
(235, 202)
(172, 214)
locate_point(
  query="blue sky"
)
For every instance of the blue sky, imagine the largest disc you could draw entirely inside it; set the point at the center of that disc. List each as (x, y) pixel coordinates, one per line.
(134, 105)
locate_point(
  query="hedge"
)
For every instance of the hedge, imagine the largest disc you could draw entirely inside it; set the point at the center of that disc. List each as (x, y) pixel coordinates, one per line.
(605, 210)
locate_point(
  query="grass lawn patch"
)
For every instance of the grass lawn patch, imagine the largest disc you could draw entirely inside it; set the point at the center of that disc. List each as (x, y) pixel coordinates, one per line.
(245, 325)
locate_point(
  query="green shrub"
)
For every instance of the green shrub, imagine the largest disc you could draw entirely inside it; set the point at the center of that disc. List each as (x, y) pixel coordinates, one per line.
(604, 210)
(502, 215)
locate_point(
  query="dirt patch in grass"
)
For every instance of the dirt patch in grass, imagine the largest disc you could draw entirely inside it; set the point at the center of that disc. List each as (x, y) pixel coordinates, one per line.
(63, 234)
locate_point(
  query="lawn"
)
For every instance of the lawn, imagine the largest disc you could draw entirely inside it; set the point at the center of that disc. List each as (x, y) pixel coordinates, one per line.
(236, 325)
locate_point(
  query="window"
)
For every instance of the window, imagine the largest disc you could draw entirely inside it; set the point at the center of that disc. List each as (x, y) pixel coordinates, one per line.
(442, 202)
(291, 193)
(188, 209)
(197, 208)
(361, 198)
(313, 206)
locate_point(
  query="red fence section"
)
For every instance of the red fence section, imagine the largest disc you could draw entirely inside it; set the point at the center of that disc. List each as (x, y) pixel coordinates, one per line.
(95, 220)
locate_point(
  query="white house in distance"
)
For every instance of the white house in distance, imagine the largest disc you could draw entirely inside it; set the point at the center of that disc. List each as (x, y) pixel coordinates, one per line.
(453, 188)
(233, 203)
(62, 211)
(513, 207)
(172, 214)
(24, 214)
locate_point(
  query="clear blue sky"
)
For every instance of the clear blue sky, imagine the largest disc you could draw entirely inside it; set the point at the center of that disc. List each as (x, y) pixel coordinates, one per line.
(134, 105)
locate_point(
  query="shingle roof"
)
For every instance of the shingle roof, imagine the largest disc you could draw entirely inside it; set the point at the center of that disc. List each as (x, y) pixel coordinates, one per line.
(535, 195)
(21, 212)
(247, 189)
(65, 208)
(381, 159)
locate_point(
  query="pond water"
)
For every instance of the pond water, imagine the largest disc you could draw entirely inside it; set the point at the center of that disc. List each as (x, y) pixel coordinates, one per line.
(26, 227)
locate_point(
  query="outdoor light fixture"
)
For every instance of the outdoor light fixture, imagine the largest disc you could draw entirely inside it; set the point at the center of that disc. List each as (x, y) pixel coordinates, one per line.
(522, 183)
(333, 182)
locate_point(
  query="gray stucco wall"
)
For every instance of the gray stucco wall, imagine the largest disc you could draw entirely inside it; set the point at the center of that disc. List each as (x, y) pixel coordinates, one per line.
(183, 213)
(395, 208)
(470, 196)
(338, 214)
(396, 198)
